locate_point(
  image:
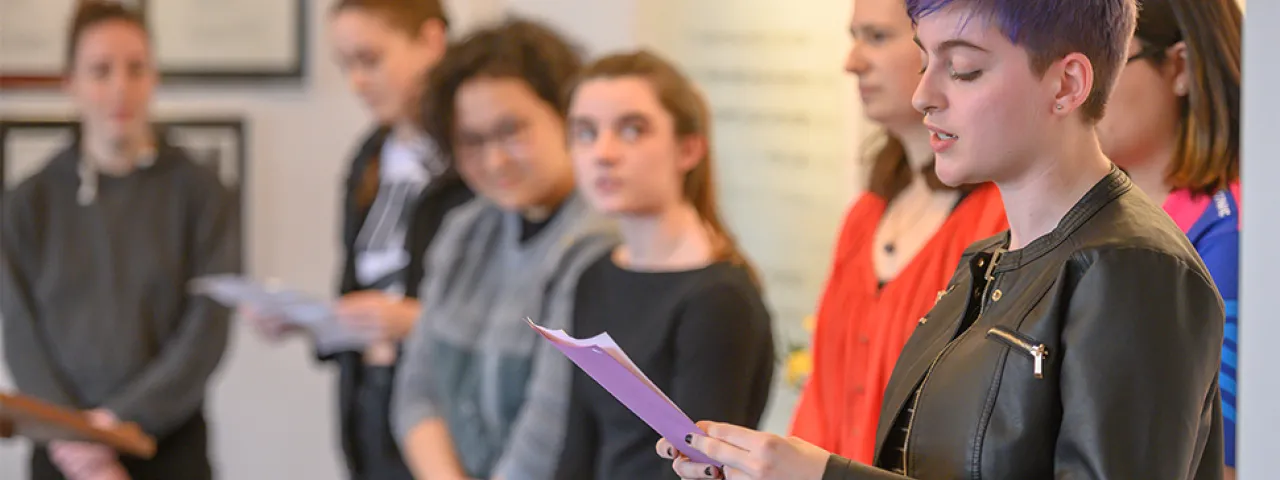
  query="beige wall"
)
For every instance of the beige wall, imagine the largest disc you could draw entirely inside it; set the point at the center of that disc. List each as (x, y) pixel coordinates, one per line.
(272, 408)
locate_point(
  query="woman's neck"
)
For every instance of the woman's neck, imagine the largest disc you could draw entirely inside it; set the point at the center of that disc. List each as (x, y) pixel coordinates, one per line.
(915, 143)
(1151, 174)
(1037, 199)
(542, 210)
(406, 131)
(675, 238)
(115, 156)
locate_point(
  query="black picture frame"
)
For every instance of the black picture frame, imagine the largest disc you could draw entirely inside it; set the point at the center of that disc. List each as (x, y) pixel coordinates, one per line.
(219, 143)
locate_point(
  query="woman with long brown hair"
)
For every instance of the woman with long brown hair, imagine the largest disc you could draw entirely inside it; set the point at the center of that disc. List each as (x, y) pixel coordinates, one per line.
(898, 247)
(1173, 124)
(678, 295)
(397, 193)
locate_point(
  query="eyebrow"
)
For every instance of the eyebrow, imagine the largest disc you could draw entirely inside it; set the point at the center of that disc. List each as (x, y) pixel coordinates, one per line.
(631, 117)
(951, 45)
(581, 121)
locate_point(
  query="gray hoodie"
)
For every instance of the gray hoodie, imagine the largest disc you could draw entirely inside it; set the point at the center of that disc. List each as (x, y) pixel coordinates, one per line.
(93, 276)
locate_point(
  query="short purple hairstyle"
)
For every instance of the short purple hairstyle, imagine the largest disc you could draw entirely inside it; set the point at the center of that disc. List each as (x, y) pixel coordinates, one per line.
(1052, 29)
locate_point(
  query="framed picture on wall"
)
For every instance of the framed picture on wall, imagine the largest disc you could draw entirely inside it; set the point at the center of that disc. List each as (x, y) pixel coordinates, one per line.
(192, 40)
(232, 40)
(218, 145)
(27, 145)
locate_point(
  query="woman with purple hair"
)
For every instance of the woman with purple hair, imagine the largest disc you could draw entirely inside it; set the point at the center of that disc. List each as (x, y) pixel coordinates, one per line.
(1081, 343)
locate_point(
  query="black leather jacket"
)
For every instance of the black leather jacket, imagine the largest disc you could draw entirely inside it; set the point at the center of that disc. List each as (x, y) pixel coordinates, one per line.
(1093, 353)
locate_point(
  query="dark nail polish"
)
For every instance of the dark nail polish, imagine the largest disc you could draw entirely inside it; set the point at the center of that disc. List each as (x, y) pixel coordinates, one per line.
(709, 474)
(671, 452)
(688, 439)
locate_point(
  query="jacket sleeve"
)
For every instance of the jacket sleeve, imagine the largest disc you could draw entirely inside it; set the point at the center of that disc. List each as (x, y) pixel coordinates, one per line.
(1221, 254)
(27, 355)
(840, 468)
(1163, 321)
(412, 398)
(172, 388)
(537, 435)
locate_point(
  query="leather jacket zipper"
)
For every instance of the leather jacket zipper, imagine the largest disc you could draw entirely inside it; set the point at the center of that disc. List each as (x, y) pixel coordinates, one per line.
(1038, 351)
(915, 403)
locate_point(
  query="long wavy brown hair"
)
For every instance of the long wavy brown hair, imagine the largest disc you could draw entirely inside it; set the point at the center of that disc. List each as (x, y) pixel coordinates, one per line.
(688, 107)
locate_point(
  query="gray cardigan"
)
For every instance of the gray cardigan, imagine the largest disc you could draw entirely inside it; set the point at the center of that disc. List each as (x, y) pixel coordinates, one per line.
(471, 359)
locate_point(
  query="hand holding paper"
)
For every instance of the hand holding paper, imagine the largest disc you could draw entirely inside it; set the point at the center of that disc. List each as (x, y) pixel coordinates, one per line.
(293, 308)
(606, 363)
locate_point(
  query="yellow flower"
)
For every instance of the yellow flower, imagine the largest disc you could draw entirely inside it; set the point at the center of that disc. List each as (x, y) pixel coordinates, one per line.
(799, 366)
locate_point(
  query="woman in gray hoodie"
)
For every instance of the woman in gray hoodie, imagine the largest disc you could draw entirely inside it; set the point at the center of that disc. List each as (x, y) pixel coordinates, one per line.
(96, 250)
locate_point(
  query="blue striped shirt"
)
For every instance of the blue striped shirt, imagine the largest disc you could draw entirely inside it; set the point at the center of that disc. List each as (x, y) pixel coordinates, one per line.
(1213, 226)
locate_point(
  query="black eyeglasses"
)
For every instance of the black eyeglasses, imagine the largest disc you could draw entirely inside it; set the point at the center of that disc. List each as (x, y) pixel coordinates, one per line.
(1154, 52)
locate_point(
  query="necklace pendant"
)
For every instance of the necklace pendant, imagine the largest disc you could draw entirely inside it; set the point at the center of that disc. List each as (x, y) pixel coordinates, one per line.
(888, 248)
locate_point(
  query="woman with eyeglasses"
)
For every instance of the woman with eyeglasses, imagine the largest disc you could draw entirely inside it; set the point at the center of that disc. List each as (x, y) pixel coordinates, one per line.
(1173, 124)
(1084, 341)
(480, 394)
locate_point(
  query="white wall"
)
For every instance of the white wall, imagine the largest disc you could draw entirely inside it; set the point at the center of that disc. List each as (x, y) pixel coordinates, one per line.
(272, 408)
(1259, 383)
(784, 134)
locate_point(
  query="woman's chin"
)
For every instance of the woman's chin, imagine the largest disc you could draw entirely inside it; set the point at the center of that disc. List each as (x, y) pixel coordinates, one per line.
(950, 173)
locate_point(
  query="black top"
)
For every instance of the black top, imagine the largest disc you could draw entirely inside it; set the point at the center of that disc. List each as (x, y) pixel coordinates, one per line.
(441, 195)
(702, 336)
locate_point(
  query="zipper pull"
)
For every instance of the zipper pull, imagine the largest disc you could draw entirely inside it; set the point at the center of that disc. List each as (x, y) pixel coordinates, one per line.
(1038, 353)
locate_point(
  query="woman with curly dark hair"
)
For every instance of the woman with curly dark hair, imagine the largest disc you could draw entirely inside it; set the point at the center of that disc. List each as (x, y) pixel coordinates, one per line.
(479, 395)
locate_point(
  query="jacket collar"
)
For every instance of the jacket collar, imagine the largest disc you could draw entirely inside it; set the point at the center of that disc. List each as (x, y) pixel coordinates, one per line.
(1104, 192)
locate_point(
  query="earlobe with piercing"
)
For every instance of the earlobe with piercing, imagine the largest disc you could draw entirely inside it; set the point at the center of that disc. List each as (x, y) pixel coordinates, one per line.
(1058, 106)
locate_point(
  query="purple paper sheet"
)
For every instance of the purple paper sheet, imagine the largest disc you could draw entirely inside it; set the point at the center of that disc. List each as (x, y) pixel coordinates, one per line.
(603, 361)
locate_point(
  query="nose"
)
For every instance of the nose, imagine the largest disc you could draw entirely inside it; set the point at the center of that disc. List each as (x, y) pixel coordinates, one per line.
(605, 150)
(856, 61)
(927, 97)
(357, 80)
(495, 158)
(119, 82)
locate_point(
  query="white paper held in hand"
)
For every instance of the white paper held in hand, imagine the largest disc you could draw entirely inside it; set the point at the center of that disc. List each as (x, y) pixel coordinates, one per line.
(295, 308)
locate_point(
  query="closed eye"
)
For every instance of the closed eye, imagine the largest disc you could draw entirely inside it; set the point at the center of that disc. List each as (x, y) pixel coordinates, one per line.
(966, 76)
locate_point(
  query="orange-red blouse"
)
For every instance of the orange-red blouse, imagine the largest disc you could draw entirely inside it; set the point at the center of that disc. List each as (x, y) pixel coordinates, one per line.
(861, 328)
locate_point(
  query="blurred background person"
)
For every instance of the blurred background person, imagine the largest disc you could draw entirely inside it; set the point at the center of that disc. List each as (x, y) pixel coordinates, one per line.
(96, 251)
(480, 394)
(897, 250)
(678, 295)
(398, 191)
(1173, 124)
